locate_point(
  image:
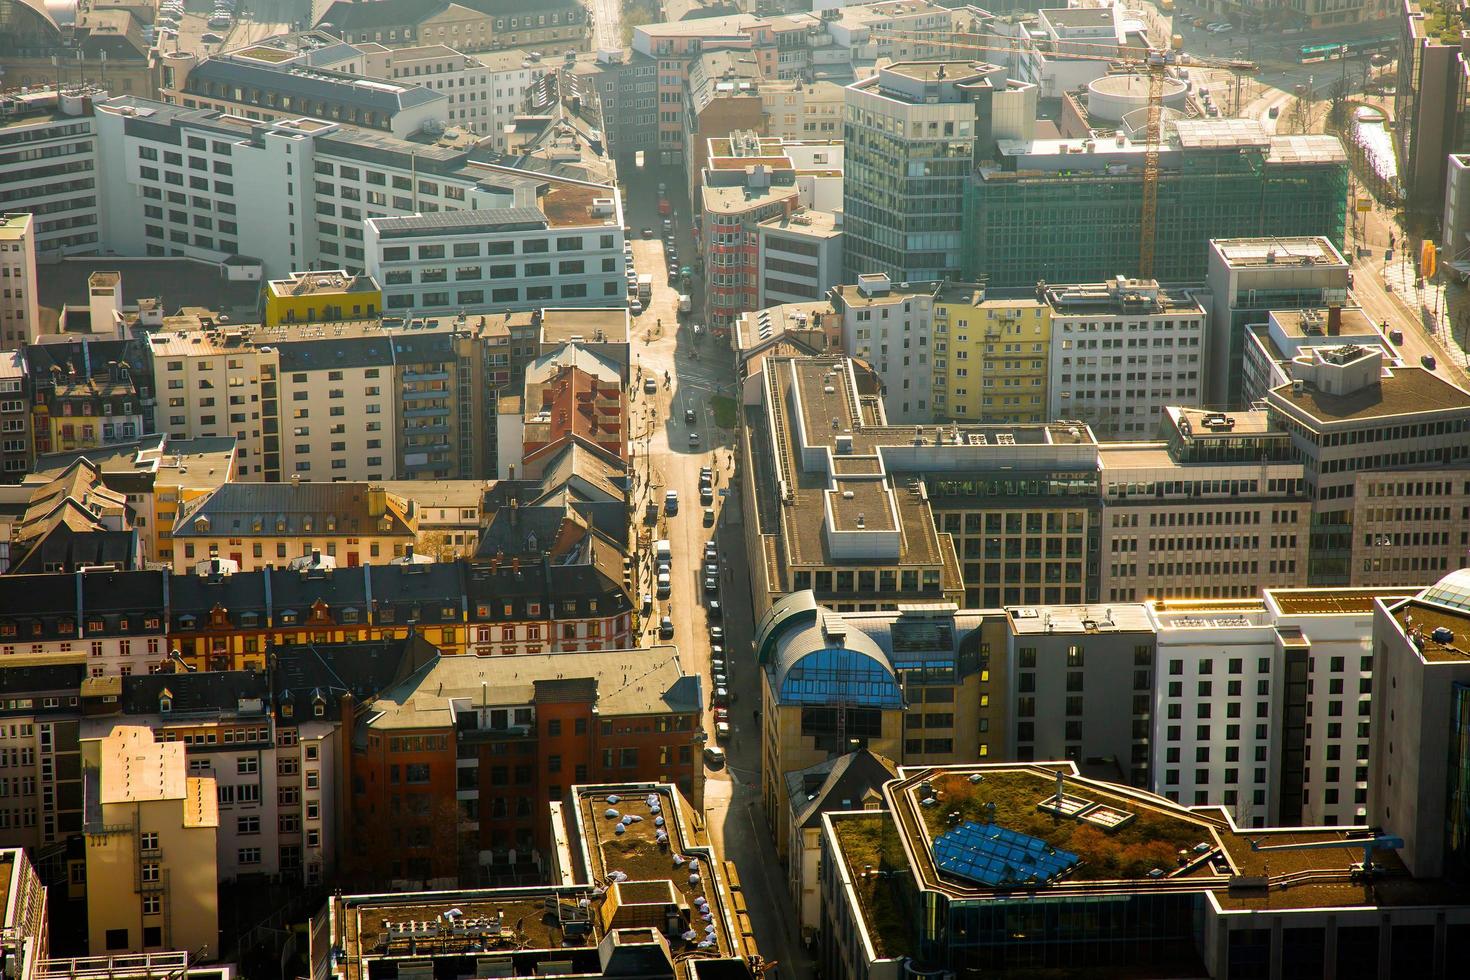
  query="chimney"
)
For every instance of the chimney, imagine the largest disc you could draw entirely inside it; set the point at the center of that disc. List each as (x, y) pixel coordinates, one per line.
(1334, 320)
(377, 501)
(515, 512)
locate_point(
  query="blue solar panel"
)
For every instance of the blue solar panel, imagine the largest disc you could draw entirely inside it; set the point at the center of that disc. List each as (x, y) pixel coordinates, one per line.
(990, 855)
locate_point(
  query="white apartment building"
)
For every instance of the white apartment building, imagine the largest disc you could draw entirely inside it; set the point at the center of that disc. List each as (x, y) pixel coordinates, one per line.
(298, 193)
(485, 91)
(1122, 351)
(543, 241)
(20, 315)
(48, 166)
(889, 326)
(1262, 705)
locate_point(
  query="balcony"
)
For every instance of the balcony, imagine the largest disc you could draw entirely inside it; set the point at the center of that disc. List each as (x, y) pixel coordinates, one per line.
(426, 430)
(433, 411)
(412, 376)
(427, 393)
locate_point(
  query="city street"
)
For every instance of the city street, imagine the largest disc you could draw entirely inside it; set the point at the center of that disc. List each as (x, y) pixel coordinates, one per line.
(700, 369)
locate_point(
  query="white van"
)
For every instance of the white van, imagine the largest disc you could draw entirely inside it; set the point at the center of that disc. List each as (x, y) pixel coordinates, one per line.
(663, 551)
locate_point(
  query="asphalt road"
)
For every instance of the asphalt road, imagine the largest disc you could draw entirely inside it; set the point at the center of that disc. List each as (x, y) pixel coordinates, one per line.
(607, 24)
(699, 369)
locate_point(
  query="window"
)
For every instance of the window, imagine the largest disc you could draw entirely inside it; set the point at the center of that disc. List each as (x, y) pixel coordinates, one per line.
(249, 855)
(247, 764)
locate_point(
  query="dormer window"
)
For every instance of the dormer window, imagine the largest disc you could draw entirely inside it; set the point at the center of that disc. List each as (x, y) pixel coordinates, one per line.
(165, 701)
(94, 626)
(287, 710)
(249, 619)
(319, 708)
(288, 617)
(349, 615)
(186, 622)
(201, 525)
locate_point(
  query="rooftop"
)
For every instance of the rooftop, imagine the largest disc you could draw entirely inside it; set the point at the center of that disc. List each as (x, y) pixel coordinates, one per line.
(657, 845)
(1240, 253)
(1118, 617)
(1402, 391)
(15, 226)
(240, 510)
(1437, 619)
(1330, 602)
(326, 282)
(627, 682)
(740, 199)
(1124, 840)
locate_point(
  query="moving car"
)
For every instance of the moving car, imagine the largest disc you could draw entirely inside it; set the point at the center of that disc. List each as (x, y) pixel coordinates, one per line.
(689, 416)
(671, 503)
(650, 385)
(647, 232)
(694, 438)
(1428, 361)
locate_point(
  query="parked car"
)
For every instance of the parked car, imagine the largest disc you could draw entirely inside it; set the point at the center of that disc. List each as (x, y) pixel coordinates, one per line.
(715, 611)
(647, 603)
(1428, 361)
(717, 666)
(717, 634)
(714, 756)
(666, 628)
(711, 585)
(706, 495)
(709, 517)
(720, 697)
(665, 585)
(722, 730)
(706, 476)
(671, 503)
(711, 553)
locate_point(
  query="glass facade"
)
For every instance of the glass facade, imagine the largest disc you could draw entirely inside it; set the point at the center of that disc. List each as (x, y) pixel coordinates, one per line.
(838, 675)
(1084, 227)
(1073, 933)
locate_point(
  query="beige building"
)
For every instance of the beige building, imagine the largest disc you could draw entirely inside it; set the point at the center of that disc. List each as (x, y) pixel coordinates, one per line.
(20, 312)
(257, 525)
(450, 514)
(1218, 510)
(212, 381)
(802, 110)
(150, 833)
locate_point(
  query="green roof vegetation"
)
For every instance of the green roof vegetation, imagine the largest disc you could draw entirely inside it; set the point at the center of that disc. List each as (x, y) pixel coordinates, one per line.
(1441, 22)
(1152, 840)
(872, 842)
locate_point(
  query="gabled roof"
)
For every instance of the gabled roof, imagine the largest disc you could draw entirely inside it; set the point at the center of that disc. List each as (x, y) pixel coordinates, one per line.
(285, 509)
(215, 690)
(305, 676)
(836, 784)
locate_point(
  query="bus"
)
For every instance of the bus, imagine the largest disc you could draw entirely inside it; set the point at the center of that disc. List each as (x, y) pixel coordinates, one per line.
(1311, 53)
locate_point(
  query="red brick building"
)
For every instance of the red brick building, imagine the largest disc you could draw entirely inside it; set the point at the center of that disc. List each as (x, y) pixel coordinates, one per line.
(452, 769)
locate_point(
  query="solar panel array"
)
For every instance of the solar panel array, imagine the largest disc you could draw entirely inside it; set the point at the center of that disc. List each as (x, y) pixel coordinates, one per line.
(992, 856)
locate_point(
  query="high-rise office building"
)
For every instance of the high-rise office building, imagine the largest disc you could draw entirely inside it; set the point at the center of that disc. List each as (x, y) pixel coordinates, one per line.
(913, 132)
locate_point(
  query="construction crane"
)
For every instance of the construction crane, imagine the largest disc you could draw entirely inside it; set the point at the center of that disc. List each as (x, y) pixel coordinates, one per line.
(1153, 64)
(1371, 843)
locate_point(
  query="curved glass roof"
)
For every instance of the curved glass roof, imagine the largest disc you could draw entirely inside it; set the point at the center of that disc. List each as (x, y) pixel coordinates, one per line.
(834, 675)
(1453, 590)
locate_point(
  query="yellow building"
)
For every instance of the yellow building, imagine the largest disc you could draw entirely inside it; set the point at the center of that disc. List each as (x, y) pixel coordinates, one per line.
(990, 357)
(256, 525)
(325, 296)
(150, 832)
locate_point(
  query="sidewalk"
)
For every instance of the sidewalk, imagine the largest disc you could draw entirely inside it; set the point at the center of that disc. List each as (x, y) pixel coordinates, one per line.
(1443, 309)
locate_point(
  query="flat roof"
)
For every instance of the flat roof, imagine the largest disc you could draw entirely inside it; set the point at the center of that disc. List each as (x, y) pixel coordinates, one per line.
(1313, 323)
(1401, 391)
(1417, 617)
(1255, 252)
(1134, 847)
(1117, 617)
(1331, 602)
(638, 854)
(1246, 422)
(734, 200)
